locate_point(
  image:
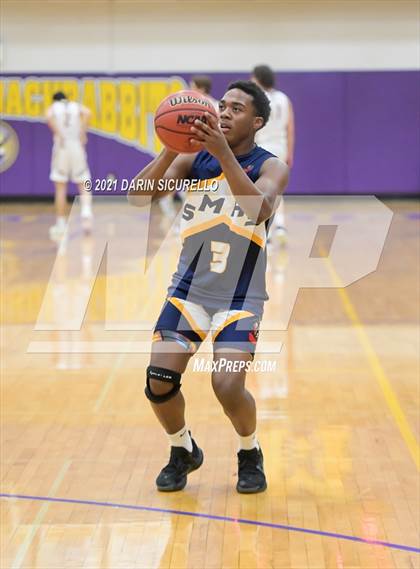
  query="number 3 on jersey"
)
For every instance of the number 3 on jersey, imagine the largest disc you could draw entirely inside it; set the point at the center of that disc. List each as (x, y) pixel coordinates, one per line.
(220, 253)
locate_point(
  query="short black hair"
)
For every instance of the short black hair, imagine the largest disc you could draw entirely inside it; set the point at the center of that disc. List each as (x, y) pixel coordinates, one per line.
(59, 96)
(265, 76)
(259, 98)
(202, 82)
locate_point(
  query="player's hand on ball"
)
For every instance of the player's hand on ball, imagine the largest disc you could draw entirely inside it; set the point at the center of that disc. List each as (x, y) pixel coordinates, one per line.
(210, 136)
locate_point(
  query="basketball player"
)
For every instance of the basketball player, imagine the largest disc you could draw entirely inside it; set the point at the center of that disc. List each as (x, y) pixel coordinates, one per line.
(278, 135)
(203, 84)
(219, 285)
(68, 122)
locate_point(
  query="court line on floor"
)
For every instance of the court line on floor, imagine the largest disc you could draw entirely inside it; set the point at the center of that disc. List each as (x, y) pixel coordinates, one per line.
(23, 548)
(376, 367)
(107, 386)
(113, 373)
(214, 517)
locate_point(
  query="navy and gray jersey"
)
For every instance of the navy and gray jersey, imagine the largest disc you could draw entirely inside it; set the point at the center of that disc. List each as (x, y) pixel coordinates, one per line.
(223, 257)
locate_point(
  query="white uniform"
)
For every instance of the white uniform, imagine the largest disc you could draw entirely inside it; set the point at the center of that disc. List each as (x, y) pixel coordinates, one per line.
(273, 136)
(215, 103)
(68, 161)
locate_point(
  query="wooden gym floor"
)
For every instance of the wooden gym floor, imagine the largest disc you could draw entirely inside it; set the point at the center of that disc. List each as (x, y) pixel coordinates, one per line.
(338, 418)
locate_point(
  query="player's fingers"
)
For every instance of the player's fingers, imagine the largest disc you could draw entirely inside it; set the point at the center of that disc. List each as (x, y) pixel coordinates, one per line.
(211, 120)
(198, 133)
(201, 125)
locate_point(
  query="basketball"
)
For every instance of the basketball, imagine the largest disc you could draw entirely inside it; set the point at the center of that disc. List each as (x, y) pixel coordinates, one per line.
(176, 115)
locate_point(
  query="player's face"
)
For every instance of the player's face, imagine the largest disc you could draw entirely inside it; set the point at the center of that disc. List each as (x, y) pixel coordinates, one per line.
(237, 116)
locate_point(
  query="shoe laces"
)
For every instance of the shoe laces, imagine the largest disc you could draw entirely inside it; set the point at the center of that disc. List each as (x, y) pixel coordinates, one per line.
(176, 460)
(248, 460)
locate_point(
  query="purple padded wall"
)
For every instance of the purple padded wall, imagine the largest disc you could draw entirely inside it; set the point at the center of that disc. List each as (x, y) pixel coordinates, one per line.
(356, 133)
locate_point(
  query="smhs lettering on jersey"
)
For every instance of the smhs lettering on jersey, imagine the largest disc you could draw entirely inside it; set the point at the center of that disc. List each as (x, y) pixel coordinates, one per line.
(223, 258)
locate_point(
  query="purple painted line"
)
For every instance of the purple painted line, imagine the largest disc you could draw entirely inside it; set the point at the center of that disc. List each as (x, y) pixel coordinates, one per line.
(214, 517)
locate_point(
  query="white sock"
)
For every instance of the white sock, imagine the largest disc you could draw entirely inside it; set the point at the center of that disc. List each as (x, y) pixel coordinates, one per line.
(181, 439)
(249, 442)
(86, 203)
(61, 221)
(87, 265)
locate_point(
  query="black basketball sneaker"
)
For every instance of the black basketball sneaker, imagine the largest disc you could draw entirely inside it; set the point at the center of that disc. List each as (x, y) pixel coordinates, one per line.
(251, 477)
(173, 476)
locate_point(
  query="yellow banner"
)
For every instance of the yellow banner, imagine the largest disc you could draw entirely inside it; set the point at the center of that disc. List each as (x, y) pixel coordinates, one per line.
(122, 108)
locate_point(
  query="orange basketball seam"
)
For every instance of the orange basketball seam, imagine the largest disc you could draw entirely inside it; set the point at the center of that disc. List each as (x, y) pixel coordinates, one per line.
(191, 134)
(184, 110)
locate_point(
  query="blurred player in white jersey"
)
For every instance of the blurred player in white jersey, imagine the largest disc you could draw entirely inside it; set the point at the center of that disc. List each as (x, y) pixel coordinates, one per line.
(203, 84)
(68, 122)
(278, 135)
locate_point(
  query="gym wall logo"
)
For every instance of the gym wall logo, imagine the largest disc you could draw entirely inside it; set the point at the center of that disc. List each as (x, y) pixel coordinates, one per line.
(9, 146)
(122, 108)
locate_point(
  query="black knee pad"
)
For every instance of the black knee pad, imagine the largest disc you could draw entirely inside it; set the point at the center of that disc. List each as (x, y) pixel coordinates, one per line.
(165, 375)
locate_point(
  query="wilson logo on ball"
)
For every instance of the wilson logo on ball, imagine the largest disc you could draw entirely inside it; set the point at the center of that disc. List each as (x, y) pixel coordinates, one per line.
(189, 119)
(189, 99)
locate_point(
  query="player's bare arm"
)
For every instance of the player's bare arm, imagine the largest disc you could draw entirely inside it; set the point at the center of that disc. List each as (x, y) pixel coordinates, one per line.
(167, 165)
(270, 185)
(85, 115)
(53, 126)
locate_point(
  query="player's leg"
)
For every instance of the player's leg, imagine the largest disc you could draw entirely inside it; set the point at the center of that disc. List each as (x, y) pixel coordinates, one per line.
(60, 200)
(234, 347)
(60, 205)
(79, 174)
(59, 174)
(173, 357)
(229, 388)
(279, 223)
(85, 207)
(175, 341)
(167, 207)
(168, 362)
